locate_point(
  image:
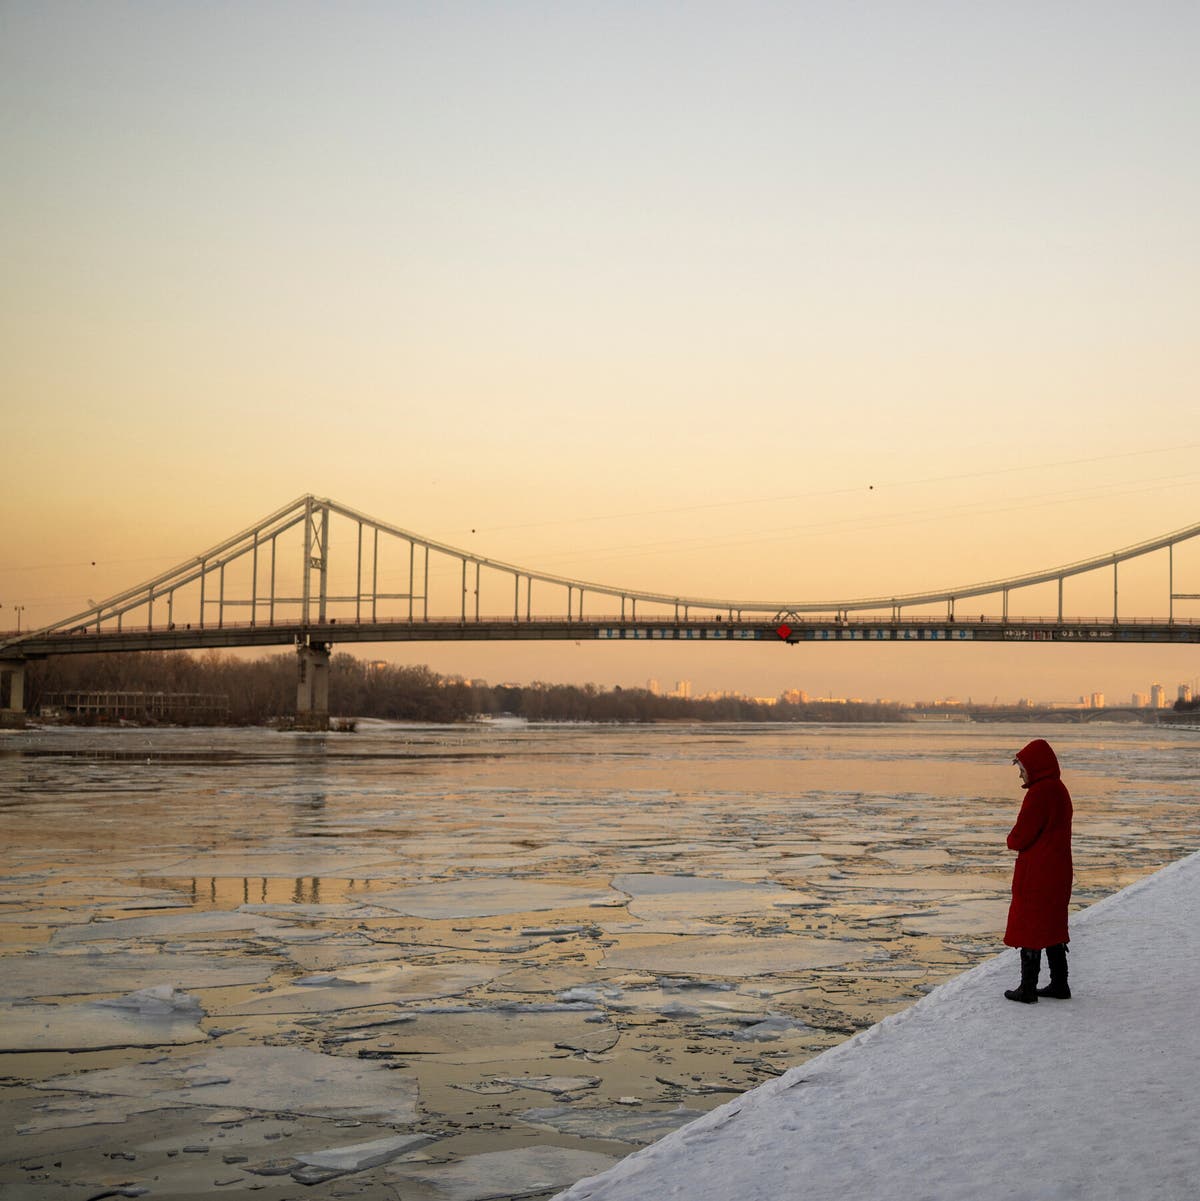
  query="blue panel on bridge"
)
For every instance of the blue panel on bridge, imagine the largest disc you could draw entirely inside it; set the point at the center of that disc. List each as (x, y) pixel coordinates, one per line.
(669, 633)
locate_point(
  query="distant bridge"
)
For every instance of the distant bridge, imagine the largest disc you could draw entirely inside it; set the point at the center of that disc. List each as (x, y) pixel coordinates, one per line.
(279, 582)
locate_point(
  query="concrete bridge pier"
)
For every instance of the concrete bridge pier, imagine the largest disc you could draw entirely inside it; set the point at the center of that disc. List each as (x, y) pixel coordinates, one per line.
(12, 693)
(312, 689)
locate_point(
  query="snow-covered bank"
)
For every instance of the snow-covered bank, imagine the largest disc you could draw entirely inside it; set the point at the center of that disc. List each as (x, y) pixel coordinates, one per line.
(967, 1095)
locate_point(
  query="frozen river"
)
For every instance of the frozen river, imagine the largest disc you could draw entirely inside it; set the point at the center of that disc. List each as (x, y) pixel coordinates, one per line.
(449, 964)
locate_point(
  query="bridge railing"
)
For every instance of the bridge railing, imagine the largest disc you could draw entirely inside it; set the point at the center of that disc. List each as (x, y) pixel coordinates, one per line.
(331, 625)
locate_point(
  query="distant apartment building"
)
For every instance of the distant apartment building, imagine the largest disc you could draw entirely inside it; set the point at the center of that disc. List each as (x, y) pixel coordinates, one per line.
(794, 696)
(683, 689)
(1140, 700)
(652, 687)
(1185, 693)
(1096, 700)
(1158, 696)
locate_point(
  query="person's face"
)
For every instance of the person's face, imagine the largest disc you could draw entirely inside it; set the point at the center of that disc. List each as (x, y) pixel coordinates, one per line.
(1022, 772)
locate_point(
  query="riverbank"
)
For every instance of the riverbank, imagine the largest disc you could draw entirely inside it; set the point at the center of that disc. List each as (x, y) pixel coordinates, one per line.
(967, 1095)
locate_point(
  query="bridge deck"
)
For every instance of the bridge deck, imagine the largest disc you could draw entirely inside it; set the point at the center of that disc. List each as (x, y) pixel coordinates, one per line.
(914, 629)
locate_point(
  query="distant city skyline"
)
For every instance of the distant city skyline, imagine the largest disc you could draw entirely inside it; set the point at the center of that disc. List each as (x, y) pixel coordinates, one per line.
(1156, 698)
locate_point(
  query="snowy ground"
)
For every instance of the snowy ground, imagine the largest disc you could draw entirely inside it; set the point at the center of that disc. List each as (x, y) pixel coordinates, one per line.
(967, 1095)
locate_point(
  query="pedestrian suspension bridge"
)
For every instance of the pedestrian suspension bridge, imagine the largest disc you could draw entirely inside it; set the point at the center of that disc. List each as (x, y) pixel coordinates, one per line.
(316, 573)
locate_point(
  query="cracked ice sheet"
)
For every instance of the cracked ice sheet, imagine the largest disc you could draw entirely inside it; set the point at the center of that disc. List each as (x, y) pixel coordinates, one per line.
(477, 940)
(89, 1027)
(622, 1123)
(524, 1172)
(333, 954)
(922, 882)
(169, 925)
(686, 898)
(728, 955)
(54, 890)
(966, 917)
(357, 1157)
(51, 974)
(375, 984)
(66, 1113)
(265, 1079)
(684, 1001)
(490, 898)
(663, 926)
(46, 917)
(916, 857)
(559, 1086)
(489, 1036)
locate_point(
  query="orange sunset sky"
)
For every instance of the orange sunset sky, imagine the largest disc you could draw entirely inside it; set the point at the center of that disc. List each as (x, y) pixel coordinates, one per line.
(750, 300)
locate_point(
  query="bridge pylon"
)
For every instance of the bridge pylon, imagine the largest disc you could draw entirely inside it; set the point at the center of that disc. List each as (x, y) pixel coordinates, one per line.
(312, 685)
(12, 693)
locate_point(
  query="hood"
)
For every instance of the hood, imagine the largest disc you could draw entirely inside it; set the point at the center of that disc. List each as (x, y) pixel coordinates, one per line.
(1039, 760)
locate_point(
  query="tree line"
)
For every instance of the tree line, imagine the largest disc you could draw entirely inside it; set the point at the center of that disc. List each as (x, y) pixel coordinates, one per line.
(264, 689)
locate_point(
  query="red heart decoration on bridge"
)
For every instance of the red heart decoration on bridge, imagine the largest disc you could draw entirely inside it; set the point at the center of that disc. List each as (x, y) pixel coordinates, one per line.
(784, 631)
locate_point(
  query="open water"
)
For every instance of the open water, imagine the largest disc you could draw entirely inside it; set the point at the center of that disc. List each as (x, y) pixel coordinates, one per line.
(482, 962)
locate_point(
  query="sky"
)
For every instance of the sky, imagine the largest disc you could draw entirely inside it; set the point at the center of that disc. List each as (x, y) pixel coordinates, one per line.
(787, 300)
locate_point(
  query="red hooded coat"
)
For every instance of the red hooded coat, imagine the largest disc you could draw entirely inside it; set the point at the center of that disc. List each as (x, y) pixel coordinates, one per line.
(1041, 886)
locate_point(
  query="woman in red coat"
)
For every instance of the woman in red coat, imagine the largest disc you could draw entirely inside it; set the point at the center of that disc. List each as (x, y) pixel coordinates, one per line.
(1041, 886)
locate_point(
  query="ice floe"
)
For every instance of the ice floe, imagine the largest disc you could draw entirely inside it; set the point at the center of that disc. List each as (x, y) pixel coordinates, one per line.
(51, 974)
(168, 926)
(151, 1018)
(769, 1029)
(261, 1078)
(523, 1172)
(920, 881)
(359, 987)
(336, 953)
(157, 1001)
(487, 897)
(479, 1036)
(729, 955)
(618, 1122)
(357, 1157)
(67, 1113)
(956, 918)
(678, 998)
(558, 1085)
(686, 898)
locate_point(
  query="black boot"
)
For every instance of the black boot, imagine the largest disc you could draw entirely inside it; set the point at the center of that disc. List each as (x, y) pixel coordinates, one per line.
(1031, 964)
(1056, 957)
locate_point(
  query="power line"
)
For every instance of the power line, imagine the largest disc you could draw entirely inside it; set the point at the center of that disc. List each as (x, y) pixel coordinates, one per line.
(828, 492)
